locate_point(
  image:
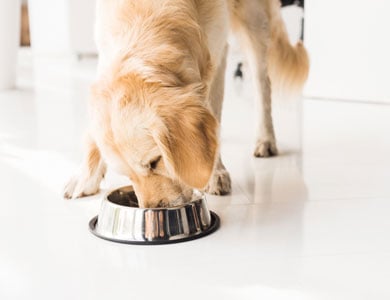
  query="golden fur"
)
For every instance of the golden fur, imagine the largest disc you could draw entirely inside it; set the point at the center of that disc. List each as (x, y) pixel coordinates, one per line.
(156, 105)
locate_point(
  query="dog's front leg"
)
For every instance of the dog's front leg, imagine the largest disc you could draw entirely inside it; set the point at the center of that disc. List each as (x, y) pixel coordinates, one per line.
(220, 183)
(87, 181)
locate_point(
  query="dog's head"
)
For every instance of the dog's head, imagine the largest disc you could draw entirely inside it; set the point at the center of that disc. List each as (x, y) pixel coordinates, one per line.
(165, 138)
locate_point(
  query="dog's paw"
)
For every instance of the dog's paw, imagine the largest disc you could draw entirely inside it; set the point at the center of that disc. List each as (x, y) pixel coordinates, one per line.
(265, 148)
(220, 183)
(78, 187)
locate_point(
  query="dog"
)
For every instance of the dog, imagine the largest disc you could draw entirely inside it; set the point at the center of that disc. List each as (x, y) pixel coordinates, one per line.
(156, 105)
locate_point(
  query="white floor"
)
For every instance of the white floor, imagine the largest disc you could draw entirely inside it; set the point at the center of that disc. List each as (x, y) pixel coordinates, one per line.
(312, 223)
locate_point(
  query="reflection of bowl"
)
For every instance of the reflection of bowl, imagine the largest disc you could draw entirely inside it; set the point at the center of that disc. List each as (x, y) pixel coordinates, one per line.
(121, 220)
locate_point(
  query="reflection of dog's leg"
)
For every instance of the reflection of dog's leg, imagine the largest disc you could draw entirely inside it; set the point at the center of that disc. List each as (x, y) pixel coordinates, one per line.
(219, 183)
(252, 27)
(87, 181)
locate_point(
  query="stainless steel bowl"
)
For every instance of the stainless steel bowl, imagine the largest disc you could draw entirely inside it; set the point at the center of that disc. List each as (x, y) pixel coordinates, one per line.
(121, 220)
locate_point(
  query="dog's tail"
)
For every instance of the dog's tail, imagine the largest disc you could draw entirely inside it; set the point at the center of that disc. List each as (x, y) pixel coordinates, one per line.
(288, 65)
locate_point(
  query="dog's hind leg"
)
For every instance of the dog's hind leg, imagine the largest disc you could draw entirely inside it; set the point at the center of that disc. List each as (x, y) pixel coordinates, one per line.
(87, 181)
(251, 25)
(220, 183)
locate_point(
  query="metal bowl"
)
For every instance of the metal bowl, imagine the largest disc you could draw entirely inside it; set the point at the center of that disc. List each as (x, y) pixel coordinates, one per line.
(121, 220)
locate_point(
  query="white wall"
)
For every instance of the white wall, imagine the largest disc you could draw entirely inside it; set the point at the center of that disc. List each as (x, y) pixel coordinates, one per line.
(62, 26)
(81, 25)
(49, 26)
(9, 41)
(349, 46)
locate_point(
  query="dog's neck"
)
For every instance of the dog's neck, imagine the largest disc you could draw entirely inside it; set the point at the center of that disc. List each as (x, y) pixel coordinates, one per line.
(167, 48)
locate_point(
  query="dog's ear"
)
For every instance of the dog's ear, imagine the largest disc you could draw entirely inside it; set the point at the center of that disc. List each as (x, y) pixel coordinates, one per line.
(188, 140)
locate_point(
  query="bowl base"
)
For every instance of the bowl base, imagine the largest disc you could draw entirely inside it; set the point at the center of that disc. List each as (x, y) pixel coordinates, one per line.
(214, 225)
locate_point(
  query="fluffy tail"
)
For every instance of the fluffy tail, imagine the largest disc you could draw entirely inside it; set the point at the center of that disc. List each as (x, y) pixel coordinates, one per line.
(288, 65)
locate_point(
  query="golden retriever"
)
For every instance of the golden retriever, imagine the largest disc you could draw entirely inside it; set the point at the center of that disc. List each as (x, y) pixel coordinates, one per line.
(156, 105)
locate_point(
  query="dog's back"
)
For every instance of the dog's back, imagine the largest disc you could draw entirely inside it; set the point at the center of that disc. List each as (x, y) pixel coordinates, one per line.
(168, 31)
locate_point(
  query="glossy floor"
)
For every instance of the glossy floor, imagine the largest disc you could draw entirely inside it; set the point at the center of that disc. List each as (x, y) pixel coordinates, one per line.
(312, 223)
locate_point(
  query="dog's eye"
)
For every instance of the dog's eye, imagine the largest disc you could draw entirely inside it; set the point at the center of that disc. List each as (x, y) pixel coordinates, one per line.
(154, 162)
